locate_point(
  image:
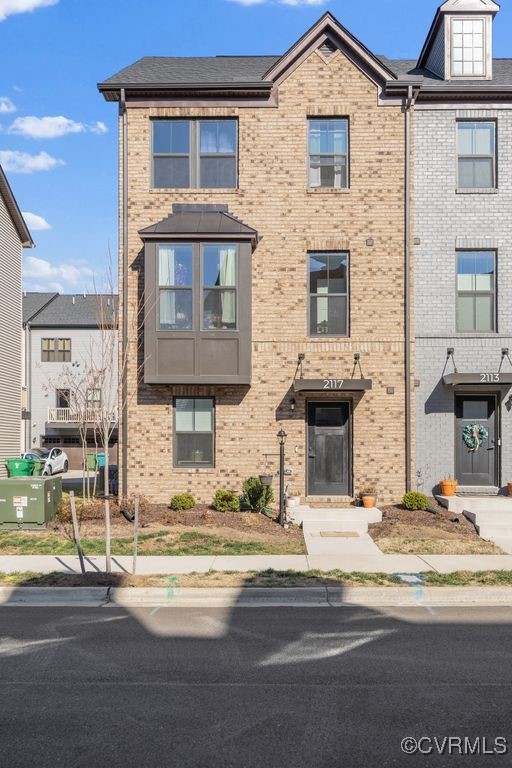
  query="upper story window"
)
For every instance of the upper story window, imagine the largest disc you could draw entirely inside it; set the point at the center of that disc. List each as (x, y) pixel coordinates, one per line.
(476, 305)
(197, 275)
(56, 350)
(328, 294)
(94, 398)
(194, 154)
(476, 149)
(468, 49)
(328, 153)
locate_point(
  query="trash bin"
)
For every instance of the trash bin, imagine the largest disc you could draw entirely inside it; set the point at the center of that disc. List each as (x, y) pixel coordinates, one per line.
(27, 502)
(101, 460)
(37, 467)
(19, 467)
(92, 461)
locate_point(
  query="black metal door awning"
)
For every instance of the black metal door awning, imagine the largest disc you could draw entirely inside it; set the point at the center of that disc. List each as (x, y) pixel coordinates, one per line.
(478, 379)
(331, 385)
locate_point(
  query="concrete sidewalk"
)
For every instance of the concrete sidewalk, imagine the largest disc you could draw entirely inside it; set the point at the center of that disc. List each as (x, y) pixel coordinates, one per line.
(245, 563)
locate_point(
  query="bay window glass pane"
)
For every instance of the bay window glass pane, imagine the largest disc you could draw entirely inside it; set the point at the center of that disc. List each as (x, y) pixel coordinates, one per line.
(220, 265)
(218, 137)
(175, 265)
(219, 309)
(218, 172)
(171, 137)
(465, 313)
(171, 172)
(184, 414)
(176, 310)
(484, 311)
(203, 415)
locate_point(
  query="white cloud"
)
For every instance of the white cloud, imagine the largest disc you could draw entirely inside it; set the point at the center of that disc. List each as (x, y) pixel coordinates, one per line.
(6, 106)
(41, 275)
(34, 222)
(22, 162)
(52, 127)
(10, 7)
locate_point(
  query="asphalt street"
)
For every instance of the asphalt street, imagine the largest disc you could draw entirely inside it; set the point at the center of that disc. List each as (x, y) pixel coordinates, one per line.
(273, 687)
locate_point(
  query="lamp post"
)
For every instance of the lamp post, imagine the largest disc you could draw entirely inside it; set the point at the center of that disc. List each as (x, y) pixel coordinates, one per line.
(282, 439)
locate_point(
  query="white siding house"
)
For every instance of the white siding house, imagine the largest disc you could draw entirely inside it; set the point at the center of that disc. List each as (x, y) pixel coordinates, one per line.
(14, 236)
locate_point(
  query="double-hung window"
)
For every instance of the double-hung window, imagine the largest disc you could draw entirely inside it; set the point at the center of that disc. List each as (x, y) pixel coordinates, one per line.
(328, 294)
(175, 281)
(328, 153)
(476, 148)
(194, 154)
(476, 291)
(194, 432)
(220, 266)
(468, 48)
(56, 350)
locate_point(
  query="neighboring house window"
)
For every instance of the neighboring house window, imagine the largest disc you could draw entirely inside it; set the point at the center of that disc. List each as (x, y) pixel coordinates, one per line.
(175, 270)
(191, 154)
(62, 398)
(194, 432)
(328, 153)
(56, 350)
(476, 289)
(328, 294)
(197, 275)
(467, 47)
(476, 144)
(94, 398)
(220, 263)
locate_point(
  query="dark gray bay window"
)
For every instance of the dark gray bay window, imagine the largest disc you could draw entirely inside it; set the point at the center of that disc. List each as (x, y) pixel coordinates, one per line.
(476, 149)
(192, 154)
(476, 289)
(194, 431)
(328, 293)
(328, 153)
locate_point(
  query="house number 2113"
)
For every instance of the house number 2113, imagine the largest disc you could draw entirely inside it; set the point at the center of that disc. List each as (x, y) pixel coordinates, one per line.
(333, 383)
(489, 378)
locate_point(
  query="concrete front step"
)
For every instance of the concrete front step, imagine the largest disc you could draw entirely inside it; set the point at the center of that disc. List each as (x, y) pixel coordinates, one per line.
(314, 527)
(303, 514)
(460, 504)
(494, 525)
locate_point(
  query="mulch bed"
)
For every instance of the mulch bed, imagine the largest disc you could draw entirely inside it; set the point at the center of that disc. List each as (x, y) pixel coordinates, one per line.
(396, 517)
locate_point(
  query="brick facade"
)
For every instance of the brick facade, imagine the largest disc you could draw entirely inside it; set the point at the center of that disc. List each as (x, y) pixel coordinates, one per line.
(291, 220)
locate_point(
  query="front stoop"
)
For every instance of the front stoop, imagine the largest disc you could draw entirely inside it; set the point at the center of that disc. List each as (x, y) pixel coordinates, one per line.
(352, 520)
(474, 503)
(491, 516)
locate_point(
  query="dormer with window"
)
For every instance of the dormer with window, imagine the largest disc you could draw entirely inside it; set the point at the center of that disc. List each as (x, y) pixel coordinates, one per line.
(459, 44)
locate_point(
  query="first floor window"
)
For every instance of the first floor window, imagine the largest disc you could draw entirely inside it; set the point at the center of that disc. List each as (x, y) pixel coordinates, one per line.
(328, 153)
(194, 432)
(56, 350)
(476, 304)
(328, 294)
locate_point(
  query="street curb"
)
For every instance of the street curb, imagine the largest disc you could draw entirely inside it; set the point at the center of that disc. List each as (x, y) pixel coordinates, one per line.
(212, 597)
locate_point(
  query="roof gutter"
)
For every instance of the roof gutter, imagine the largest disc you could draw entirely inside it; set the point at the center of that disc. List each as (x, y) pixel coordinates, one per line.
(124, 340)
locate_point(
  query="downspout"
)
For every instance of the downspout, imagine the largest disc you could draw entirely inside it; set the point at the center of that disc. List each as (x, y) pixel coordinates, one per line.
(409, 105)
(28, 384)
(124, 341)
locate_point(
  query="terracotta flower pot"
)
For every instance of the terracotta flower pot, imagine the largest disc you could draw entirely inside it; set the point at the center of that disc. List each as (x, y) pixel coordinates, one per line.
(448, 487)
(509, 489)
(368, 500)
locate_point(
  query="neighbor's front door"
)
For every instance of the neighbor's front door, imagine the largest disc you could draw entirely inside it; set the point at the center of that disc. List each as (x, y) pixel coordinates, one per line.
(476, 467)
(329, 449)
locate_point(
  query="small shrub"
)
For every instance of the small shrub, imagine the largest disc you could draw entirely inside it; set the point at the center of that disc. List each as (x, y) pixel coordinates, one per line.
(258, 495)
(86, 509)
(226, 501)
(415, 500)
(182, 501)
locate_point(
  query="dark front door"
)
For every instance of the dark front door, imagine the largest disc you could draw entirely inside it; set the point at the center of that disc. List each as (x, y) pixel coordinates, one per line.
(329, 449)
(476, 467)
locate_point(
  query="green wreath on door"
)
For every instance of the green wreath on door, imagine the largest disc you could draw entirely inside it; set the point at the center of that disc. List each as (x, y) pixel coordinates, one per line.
(474, 436)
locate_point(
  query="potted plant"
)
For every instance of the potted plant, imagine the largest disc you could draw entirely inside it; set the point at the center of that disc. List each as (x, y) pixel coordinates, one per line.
(448, 486)
(509, 489)
(266, 479)
(292, 501)
(368, 497)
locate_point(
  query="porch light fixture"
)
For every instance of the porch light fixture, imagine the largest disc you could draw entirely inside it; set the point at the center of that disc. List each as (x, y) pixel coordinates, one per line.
(292, 404)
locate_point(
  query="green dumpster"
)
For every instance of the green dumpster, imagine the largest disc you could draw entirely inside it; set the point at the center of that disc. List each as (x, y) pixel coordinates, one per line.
(92, 461)
(27, 502)
(19, 467)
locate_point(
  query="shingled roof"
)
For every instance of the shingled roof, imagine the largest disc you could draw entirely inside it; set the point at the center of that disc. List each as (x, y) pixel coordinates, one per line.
(204, 220)
(47, 310)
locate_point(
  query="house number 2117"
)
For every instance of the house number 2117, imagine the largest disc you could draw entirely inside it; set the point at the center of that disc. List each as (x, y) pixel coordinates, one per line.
(489, 378)
(333, 383)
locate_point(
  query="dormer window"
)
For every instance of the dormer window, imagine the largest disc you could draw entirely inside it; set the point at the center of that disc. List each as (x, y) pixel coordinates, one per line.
(468, 48)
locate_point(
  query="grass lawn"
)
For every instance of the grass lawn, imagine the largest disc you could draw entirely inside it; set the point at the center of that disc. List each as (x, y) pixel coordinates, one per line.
(270, 578)
(160, 542)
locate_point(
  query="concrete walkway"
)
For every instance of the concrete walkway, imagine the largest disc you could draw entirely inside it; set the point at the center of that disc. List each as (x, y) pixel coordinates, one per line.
(244, 563)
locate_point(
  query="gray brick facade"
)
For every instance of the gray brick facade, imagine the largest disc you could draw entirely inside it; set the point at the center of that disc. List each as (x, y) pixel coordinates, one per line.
(446, 220)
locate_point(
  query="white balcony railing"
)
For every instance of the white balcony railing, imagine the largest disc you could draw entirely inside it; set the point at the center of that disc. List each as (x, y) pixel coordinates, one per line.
(71, 416)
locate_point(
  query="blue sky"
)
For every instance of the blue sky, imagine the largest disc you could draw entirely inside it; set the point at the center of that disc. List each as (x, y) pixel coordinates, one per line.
(58, 138)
